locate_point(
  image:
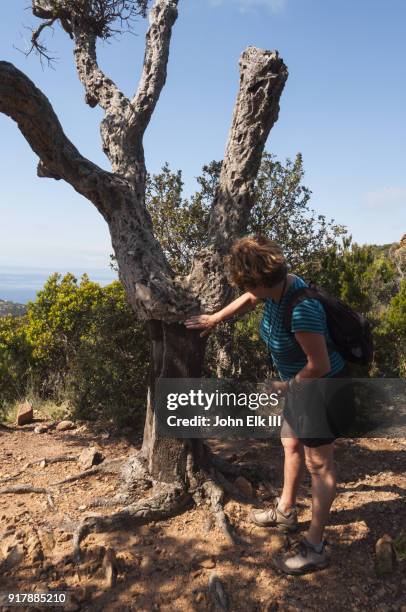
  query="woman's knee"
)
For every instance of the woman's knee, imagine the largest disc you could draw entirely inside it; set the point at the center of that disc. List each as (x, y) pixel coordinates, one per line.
(292, 445)
(319, 460)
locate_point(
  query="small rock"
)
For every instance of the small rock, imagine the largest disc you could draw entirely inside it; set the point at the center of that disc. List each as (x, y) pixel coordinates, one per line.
(244, 486)
(40, 429)
(43, 464)
(65, 536)
(25, 414)
(197, 574)
(65, 425)
(207, 563)
(89, 457)
(199, 597)
(384, 555)
(144, 562)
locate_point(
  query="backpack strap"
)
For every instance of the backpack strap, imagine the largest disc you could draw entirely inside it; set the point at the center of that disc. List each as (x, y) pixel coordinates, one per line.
(298, 296)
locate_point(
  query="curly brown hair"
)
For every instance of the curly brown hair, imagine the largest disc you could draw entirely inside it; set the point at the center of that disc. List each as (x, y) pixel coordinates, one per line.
(255, 261)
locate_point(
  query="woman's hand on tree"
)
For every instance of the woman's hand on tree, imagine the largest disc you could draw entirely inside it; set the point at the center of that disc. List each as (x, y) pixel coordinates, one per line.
(203, 321)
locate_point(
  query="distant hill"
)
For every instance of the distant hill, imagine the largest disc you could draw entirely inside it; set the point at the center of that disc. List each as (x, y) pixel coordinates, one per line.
(12, 308)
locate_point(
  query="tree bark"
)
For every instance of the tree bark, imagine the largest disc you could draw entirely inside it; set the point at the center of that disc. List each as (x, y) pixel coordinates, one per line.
(176, 352)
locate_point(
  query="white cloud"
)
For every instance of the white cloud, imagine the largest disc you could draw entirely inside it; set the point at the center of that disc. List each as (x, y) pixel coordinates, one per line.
(388, 198)
(249, 5)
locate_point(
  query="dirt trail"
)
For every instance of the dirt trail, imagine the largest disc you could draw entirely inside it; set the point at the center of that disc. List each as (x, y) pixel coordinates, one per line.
(167, 565)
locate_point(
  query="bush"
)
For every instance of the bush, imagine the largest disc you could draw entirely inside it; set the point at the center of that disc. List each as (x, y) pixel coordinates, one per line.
(78, 342)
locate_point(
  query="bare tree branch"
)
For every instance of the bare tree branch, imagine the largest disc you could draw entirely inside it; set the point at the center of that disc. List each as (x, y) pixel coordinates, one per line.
(262, 79)
(162, 18)
(125, 121)
(36, 44)
(21, 100)
(99, 89)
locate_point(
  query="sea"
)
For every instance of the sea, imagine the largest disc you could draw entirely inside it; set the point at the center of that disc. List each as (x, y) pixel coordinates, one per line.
(22, 284)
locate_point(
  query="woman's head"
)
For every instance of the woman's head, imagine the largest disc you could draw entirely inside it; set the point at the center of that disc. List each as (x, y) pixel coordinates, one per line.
(255, 261)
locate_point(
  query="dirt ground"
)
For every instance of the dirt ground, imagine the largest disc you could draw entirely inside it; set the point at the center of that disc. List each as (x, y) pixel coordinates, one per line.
(167, 565)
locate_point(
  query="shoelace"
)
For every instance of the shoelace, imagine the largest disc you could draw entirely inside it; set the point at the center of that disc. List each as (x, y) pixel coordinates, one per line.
(301, 547)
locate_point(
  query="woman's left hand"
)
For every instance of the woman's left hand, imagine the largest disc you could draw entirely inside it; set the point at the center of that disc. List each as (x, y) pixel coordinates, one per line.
(279, 386)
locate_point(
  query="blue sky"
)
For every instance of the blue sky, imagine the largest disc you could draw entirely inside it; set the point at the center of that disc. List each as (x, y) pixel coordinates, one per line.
(344, 108)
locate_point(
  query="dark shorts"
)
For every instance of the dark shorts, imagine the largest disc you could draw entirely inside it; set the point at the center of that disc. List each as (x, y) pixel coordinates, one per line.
(322, 410)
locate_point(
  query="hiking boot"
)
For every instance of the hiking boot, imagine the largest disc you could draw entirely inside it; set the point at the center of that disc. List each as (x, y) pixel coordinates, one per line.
(273, 517)
(301, 558)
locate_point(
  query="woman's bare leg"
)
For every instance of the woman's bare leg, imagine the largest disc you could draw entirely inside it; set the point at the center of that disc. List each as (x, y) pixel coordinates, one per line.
(320, 463)
(293, 468)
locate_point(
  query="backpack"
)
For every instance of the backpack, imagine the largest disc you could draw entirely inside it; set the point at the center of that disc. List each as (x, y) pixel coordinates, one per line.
(350, 332)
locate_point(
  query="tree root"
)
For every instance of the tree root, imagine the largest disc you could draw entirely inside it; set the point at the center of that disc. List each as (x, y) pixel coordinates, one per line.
(167, 501)
(217, 593)
(111, 466)
(47, 460)
(20, 489)
(24, 489)
(119, 499)
(215, 494)
(57, 459)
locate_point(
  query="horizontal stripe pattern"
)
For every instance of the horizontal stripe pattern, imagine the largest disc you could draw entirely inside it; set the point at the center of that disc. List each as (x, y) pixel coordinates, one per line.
(309, 315)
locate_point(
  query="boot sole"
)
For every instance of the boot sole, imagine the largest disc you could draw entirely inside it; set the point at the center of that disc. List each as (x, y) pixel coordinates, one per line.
(307, 569)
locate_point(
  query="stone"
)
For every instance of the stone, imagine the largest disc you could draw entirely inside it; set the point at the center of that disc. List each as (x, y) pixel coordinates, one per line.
(384, 555)
(65, 536)
(200, 597)
(207, 563)
(25, 414)
(40, 429)
(89, 457)
(65, 425)
(244, 486)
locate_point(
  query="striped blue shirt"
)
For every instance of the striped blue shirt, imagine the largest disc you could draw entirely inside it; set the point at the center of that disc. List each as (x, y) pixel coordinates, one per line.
(309, 315)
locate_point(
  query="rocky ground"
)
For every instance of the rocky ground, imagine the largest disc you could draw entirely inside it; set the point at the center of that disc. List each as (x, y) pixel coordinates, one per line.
(168, 565)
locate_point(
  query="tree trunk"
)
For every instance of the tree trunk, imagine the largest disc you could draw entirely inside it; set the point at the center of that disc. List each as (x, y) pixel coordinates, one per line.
(176, 352)
(224, 350)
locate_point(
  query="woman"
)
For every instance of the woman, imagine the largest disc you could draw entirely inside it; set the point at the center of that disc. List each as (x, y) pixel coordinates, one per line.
(257, 266)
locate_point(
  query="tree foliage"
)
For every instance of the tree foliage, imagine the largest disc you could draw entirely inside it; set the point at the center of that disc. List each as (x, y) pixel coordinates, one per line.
(281, 211)
(78, 342)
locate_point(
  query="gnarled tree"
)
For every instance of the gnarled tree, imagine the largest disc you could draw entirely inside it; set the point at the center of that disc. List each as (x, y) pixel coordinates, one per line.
(179, 469)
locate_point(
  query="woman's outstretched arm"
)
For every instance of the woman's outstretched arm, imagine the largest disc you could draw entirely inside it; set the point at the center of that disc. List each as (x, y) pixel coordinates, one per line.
(244, 303)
